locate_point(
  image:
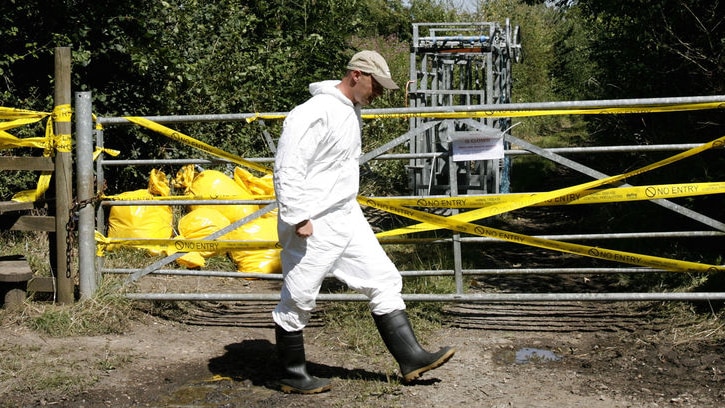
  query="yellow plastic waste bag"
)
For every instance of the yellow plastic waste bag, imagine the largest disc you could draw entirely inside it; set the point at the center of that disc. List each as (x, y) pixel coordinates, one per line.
(244, 185)
(199, 224)
(184, 178)
(159, 184)
(143, 221)
(140, 221)
(258, 186)
(212, 183)
(256, 261)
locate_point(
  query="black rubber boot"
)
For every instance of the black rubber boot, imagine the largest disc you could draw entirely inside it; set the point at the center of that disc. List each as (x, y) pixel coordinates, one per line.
(398, 336)
(291, 351)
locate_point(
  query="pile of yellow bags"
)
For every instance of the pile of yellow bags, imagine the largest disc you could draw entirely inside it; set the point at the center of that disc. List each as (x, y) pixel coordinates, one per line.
(202, 220)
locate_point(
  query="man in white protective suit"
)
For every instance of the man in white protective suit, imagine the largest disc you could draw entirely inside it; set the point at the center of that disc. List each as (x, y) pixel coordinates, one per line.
(323, 230)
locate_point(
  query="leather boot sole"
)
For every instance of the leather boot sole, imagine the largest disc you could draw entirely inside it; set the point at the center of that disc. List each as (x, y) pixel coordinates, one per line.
(408, 377)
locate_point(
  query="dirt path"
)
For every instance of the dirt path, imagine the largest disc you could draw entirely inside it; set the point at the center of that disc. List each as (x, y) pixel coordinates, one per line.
(538, 354)
(525, 355)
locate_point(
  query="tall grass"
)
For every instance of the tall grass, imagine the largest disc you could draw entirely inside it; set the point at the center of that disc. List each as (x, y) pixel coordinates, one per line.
(107, 312)
(32, 245)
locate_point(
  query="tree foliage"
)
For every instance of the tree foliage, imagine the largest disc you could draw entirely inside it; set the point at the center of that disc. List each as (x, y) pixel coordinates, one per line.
(670, 48)
(175, 57)
(642, 46)
(551, 69)
(169, 57)
(665, 49)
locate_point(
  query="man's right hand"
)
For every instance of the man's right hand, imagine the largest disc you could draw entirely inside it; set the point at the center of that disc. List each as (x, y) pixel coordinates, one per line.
(304, 229)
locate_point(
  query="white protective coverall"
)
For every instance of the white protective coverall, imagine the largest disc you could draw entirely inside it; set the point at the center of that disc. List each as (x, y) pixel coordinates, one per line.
(316, 177)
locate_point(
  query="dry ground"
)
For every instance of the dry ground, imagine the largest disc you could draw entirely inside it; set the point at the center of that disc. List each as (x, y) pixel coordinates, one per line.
(590, 355)
(222, 355)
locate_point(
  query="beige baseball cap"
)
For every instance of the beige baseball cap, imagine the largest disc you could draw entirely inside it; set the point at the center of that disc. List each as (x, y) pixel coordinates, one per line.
(370, 62)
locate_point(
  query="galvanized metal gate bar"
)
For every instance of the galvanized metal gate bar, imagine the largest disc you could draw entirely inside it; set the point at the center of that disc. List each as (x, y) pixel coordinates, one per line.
(450, 298)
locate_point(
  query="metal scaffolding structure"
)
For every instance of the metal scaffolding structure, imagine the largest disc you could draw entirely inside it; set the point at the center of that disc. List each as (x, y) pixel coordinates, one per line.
(460, 64)
(453, 65)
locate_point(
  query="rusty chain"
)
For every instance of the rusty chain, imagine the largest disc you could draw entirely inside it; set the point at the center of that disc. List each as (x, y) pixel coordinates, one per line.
(72, 223)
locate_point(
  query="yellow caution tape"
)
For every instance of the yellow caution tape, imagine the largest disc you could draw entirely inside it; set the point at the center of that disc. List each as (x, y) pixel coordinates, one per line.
(125, 196)
(180, 137)
(266, 116)
(219, 377)
(111, 152)
(593, 252)
(8, 141)
(62, 113)
(50, 143)
(62, 142)
(18, 117)
(609, 195)
(460, 222)
(170, 246)
(594, 196)
(15, 118)
(654, 108)
(31, 196)
(253, 118)
(15, 113)
(511, 113)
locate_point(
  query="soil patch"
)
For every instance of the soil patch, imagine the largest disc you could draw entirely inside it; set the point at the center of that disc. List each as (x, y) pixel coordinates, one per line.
(509, 355)
(536, 354)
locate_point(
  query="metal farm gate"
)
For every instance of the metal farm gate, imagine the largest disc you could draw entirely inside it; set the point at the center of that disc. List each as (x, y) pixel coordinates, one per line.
(459, 91)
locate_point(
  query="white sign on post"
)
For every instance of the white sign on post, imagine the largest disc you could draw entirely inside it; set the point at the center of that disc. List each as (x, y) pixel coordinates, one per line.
(478, 145)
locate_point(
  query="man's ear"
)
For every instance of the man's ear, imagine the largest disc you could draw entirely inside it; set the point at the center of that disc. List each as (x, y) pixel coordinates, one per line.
(356, 75)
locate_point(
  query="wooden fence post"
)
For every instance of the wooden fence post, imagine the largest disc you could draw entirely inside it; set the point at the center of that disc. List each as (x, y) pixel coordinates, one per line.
(63, 177)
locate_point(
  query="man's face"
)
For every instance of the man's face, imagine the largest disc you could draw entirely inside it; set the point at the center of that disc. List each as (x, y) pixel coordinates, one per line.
(368, 89)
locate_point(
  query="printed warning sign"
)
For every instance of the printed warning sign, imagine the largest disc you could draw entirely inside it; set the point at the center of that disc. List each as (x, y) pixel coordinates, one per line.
(481, 145)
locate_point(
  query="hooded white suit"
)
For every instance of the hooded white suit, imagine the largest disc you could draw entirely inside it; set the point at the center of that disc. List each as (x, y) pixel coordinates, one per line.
(316, 177)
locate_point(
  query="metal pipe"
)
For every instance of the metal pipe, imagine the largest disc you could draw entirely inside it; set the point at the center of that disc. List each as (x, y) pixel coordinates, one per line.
(230, 117)
(612, 149)
(491, 107)
(446, 298)
(623, 235)
(397, 156)
(408, 274)
(88, 278)
(185, 202)
(157, 162)
(587, 104)
(198, 273)
(469, 38)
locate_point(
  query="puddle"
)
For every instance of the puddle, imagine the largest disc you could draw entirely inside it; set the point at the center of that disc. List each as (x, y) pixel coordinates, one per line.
(534, 355)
